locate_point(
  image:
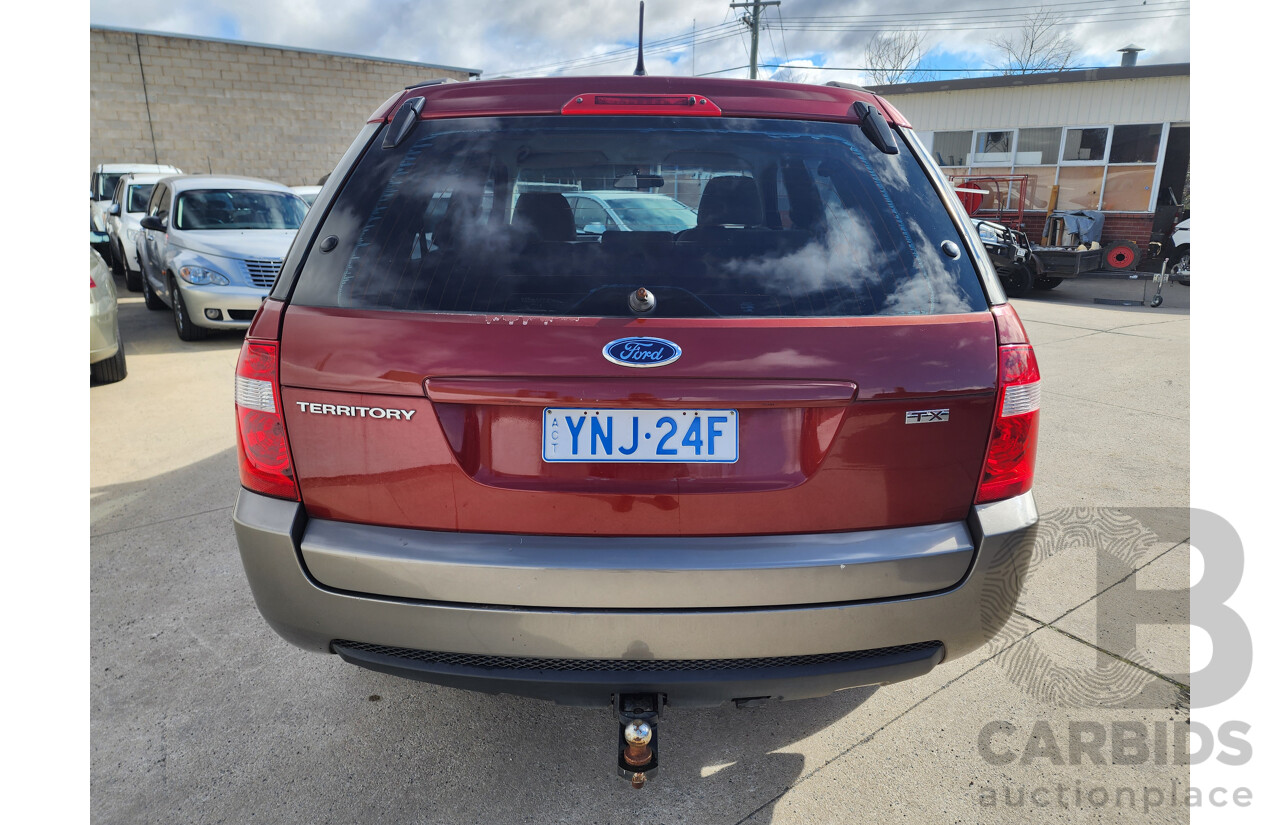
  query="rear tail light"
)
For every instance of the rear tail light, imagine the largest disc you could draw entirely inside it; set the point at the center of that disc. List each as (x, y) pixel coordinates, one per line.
(265, 464)
(1011, 454)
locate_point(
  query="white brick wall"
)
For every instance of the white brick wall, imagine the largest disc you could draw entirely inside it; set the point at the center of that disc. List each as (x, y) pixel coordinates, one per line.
(238, 110)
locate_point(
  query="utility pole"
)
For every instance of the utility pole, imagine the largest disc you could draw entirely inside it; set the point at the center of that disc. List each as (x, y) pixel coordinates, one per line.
(753, 20)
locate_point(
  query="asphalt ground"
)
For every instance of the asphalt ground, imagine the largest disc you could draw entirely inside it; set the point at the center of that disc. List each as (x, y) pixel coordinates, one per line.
(200, 713)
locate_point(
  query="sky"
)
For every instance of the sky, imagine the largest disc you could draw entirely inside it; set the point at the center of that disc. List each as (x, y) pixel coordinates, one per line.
(820, 39)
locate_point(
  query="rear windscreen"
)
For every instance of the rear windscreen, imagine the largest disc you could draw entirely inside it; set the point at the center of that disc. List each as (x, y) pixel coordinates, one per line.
(716, 217)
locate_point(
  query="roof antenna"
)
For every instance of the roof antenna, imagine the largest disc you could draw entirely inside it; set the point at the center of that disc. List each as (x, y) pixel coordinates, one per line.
(639, 72)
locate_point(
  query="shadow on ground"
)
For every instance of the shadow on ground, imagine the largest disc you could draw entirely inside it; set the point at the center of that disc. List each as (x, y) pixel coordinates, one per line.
(200, 713)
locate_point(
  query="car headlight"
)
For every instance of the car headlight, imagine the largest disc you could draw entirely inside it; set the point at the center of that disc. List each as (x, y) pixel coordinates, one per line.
(199, 276)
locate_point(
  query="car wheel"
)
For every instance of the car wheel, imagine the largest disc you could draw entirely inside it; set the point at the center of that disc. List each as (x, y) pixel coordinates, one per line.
(132, 277)
(117, 260)
(187, 330)
(111, 370)
(1017, 280)
(1181, 271)
(1045, 282)
(149, 297)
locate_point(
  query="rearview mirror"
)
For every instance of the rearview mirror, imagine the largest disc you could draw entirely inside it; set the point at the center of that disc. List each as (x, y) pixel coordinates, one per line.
(152, 222)
(114, 209)
(636, 181)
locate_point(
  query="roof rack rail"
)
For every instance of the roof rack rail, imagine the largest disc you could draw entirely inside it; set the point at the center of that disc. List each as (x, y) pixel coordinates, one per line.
(842, 85)
(435, 81)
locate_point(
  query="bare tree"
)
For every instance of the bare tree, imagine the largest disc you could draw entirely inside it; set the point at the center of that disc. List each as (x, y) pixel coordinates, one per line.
(1038, 46)
(894, 57)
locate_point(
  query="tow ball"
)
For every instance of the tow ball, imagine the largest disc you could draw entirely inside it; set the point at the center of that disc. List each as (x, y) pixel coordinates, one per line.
(637, 735)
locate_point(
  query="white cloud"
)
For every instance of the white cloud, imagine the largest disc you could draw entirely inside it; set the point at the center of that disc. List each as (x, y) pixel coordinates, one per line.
(502, 37)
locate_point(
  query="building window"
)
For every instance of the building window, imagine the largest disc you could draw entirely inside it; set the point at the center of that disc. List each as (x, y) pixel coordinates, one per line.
(1079, 187)
(1088, 145)
(1038, 147)
(993, 148)
(952, 148)
(1138, 143)
(1040, 180)
(1128, 188)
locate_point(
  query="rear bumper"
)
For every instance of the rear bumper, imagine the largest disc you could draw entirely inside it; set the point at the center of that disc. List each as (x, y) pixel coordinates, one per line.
(104, 340)
(583, 655)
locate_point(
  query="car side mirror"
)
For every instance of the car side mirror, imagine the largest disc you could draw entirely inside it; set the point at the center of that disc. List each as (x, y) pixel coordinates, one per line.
(594, 229)
(114, 209)
(152, 222)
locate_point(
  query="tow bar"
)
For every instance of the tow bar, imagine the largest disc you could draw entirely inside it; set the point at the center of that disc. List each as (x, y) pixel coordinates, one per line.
(637, 715)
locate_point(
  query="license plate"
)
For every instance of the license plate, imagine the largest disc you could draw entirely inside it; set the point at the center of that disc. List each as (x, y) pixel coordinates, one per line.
(684, 436)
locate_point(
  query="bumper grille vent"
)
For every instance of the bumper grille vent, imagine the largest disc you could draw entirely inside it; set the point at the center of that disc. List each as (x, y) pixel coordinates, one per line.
(625, 665)
(263, 272)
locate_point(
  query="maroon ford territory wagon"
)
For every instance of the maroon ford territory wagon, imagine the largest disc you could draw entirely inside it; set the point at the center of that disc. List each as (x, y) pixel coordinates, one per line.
(764, 437)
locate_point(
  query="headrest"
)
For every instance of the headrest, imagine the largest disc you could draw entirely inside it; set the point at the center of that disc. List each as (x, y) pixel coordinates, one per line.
(730, 200)
(547, 214)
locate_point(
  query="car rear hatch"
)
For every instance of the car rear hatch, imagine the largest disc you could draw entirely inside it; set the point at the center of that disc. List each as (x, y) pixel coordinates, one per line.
(457, 360)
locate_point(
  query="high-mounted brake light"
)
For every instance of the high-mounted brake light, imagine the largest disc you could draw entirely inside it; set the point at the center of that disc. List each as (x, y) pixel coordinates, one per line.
(1011, 454)
(265, 464)
(613, 104)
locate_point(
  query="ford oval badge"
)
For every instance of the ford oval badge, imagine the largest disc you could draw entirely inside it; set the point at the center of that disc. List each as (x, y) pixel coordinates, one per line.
(641, 352)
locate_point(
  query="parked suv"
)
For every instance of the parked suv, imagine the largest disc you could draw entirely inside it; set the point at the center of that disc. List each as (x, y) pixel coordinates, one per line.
(211, 247)
(777, 453)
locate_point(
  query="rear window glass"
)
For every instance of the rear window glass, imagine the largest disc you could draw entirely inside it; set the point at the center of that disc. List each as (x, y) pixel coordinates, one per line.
(139, 194)
(715, 217)
(238, 209)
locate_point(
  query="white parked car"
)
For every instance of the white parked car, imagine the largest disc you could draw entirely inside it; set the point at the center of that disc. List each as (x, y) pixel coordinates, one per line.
(1180, 260)
(128, 205)
(211, 248)
(596, 212)
(102, 185)
(307, 193)
(106, 352)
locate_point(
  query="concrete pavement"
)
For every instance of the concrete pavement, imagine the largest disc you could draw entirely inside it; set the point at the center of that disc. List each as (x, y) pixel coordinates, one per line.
(200, 713)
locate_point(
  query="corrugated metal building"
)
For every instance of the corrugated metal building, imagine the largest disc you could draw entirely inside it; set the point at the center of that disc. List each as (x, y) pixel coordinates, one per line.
(1115, 139)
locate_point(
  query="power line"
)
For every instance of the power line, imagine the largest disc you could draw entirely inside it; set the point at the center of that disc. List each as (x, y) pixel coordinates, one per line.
(653, 46)
(992, 26)
(962, 20)
(967, 22)
(967, 13)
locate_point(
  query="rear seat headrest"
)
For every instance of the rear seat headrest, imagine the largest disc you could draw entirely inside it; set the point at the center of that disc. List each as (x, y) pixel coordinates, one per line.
(730, 200)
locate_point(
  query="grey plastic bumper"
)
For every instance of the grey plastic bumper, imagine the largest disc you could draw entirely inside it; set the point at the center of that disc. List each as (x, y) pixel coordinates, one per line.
(272, 535)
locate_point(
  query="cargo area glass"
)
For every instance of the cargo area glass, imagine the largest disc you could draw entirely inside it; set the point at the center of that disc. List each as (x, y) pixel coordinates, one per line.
(793, 219)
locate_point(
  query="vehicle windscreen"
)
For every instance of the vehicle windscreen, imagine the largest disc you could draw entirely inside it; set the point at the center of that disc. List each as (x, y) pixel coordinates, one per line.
(788, 218)
(238, 209)
(139, 194)
(107, 184)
